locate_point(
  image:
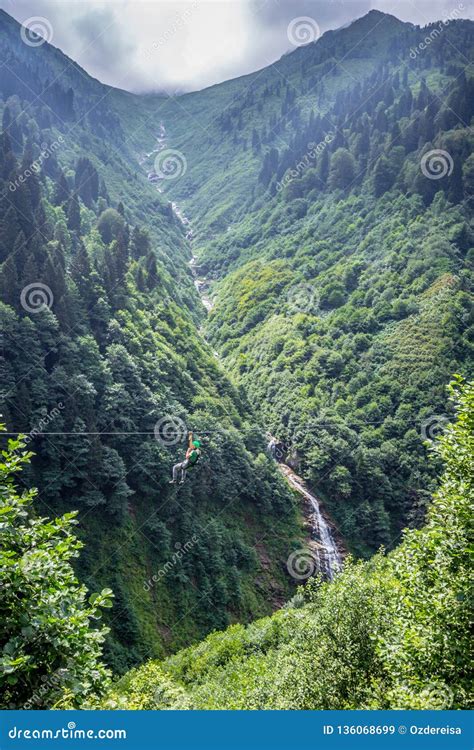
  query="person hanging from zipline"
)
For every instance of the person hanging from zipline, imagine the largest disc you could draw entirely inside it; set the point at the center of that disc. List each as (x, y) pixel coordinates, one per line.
(193, 454)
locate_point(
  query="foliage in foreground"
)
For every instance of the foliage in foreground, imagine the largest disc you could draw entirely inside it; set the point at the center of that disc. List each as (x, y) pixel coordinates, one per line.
(47, 643)
(390, 633)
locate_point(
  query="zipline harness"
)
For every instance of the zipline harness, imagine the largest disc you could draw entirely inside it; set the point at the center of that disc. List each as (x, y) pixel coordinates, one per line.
(193, 454)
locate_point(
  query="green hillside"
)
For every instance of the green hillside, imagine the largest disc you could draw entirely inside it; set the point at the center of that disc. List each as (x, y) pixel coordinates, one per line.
(391, 633)
(100, 351)
(340, 271)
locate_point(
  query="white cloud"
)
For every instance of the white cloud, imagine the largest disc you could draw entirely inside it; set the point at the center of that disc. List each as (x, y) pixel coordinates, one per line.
(156, 45)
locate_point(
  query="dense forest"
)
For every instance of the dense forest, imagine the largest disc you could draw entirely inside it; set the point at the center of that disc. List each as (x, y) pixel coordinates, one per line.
(342, 285)
(326, 203)
(104, 370)
(390, 633)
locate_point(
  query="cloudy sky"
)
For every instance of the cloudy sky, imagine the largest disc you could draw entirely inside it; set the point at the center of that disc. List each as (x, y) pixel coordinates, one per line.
(156, 45)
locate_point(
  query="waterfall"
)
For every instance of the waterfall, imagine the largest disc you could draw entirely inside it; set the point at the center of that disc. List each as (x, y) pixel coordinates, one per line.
(328, 556)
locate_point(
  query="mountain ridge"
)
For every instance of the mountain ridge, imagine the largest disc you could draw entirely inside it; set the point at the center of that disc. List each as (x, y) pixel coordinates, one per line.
(360, 22)
(274, 221)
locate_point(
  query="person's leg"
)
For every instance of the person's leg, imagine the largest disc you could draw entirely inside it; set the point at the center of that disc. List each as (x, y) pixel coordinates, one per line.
(184, 466)
(176, 471)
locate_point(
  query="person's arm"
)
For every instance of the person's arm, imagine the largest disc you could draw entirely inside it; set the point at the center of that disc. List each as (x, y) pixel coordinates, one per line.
(190, 444)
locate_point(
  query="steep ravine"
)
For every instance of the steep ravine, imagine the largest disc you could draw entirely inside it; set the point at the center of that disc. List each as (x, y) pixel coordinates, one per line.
(201, 284)
(327, 550)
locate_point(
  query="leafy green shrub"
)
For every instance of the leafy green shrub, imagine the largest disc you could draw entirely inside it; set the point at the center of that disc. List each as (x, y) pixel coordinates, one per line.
(48, 647)
(137, 683)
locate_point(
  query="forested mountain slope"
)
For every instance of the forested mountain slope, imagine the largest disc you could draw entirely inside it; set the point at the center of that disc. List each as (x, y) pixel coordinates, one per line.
(330, 198)
(389, 633)
(104, 370)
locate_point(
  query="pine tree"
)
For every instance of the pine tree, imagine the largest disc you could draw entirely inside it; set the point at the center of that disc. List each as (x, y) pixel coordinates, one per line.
(61, 193)
(342, 170)
(74, 214)
(384, 175)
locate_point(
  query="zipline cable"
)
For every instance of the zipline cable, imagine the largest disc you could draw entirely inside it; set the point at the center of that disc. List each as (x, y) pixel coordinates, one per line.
(183, 433)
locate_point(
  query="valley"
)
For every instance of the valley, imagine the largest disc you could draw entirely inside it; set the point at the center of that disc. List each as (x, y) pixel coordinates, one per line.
(321, 555)
(287, 257)
(329, 306)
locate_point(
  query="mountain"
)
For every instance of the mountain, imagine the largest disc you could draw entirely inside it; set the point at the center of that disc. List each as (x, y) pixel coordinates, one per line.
(330, 201)
(214, 128)
(325, 205)
(104, 370)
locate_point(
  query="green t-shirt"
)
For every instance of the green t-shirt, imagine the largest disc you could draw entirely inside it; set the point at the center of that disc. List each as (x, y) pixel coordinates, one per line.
(194, 456)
